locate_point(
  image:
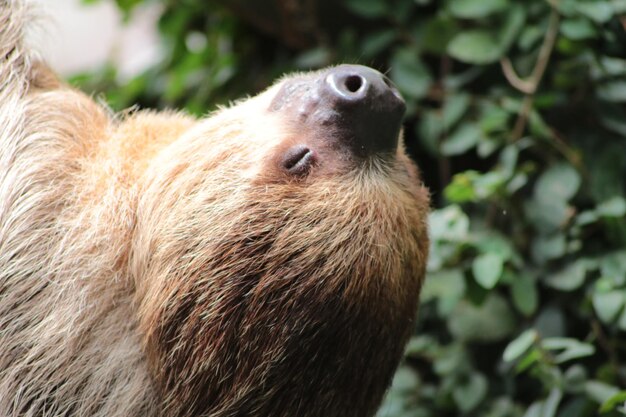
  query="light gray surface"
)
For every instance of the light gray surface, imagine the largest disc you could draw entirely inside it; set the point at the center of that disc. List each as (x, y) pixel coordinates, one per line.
(74, 37)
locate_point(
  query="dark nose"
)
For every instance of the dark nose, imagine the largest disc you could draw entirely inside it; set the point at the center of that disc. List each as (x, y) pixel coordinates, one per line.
(367, 107)
(349, 106)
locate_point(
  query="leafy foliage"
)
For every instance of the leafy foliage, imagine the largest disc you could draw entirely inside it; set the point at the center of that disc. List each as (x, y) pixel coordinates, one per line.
(523, 312)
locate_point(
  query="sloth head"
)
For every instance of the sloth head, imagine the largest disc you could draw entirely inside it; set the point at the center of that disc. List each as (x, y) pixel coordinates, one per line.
(279, 251)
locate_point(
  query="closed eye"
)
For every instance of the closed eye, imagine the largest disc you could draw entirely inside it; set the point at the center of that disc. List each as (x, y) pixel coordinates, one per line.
(298, 160)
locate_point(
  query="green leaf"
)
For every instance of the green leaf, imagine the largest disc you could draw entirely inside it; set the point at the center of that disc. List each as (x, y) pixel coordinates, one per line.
(569, 278)
(449, 223)
(532, 357)
(313, 58)
(530, 37)
(578, 29)
(613, 402)
(619, 6)
(400, 12)
(599, 11)
(476, 46)
(429, 129)
(613, 266)
(538, 127)
(560, 181)
(409, 74)
(463, 78)
(520, 345)
(421, 345)
(487, 269)
(127, 6)
(587, 217)
(600, 392)
(437, 33)
(461, 189)
(368, 8)
(516, 183)
(612, 91)
(447, 286)
(454, 108)
(574, 378)
(450, 360)
(473, 186)
(534, 410)
(550, 322)
(494, 118)
(376, 42)
(461, 140)
(606, 66)
(603, 284)
(508, 159)
(608, 304)
(613, 207)
(548, 210)
(489, 322)
(551, 403)
(405, 379)
(547, 407)
(525, 295)
(474, 9)
(546, 248)
(442, 284)
(612, 118)
(467, 394)
(513, 24)
(570, 348)
(486, 147)
(489, 183)
(493, 242)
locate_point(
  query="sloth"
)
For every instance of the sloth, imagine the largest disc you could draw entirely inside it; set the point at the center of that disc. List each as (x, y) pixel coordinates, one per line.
(265, 260)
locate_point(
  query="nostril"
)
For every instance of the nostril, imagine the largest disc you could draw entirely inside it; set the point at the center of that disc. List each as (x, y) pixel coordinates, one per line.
(298, 160)
(354, 83)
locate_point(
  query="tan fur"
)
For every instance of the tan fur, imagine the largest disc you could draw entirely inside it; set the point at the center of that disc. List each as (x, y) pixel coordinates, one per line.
(159, 265)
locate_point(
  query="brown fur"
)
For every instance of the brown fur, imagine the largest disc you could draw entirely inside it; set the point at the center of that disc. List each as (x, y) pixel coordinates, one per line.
(161, 265)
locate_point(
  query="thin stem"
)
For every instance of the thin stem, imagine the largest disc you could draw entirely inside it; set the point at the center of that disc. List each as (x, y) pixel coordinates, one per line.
(444, 162)
(529, 86)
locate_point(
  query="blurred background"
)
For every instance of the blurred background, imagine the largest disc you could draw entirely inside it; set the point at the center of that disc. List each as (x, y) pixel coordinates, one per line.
(517, 119)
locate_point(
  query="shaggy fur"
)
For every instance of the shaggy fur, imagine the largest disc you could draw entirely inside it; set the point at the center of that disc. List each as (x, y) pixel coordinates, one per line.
(157, 265)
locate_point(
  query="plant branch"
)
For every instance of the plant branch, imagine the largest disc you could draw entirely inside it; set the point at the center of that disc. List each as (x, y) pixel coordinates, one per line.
(605, 344)
(445, 174)
(525, 86)
(529, 85)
